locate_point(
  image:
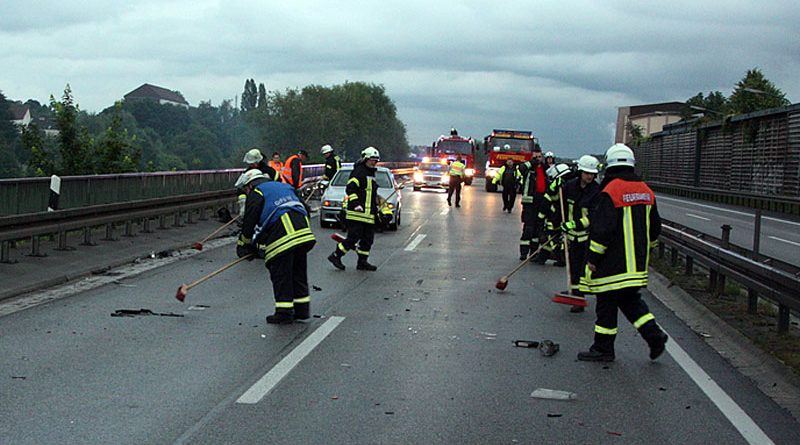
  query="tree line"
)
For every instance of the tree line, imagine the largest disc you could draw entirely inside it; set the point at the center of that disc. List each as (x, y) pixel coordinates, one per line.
(143, 135)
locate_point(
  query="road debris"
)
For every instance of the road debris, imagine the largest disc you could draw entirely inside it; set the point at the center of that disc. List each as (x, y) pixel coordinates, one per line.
(554, 415)
(316, 288)
(553, 394)
(143, 311)
(526, 343)
(548, 348)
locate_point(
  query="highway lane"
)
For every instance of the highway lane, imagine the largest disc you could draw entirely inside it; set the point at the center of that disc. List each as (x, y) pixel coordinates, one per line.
(780, 237)
(418, 352)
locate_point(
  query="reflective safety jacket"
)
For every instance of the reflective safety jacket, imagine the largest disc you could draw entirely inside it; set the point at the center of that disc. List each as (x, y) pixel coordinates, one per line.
(625, 225)
(332, 165)
(550, 212)
(457, 169)
(362, 191)
(530, 175)
(508, 177)
(292, 172)
(278, 167)
(275, 220)
(579, 201)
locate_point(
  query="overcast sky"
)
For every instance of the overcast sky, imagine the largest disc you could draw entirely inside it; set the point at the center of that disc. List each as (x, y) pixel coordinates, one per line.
(559, 68)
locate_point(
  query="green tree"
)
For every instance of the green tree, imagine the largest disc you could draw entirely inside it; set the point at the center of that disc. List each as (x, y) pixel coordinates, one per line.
(117, 151)
(74, 142)
(41, 161)
(755, 92)
(262, 96)
(249, 96)
(9, 136)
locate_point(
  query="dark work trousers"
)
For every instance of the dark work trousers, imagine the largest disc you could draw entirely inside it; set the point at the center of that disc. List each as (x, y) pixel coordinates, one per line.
(360, 236)
(509, 196)
(455, 185)
(577, 264)
(531, 226)
(288, 272)
(635, 310)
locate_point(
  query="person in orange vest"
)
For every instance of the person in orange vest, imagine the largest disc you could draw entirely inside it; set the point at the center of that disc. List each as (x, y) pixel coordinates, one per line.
(276, 163)
(292, 171)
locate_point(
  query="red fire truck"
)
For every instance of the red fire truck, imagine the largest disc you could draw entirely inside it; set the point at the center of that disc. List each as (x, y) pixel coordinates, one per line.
(502, 145)
(446, 148)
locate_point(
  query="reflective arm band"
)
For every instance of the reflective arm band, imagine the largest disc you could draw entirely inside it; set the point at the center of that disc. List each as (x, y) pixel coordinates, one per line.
(243, 240)
(584, 222)
(354, 180)
(596, 247)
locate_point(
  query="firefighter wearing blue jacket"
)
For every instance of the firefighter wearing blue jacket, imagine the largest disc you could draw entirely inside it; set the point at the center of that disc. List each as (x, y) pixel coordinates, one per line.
(277, 227)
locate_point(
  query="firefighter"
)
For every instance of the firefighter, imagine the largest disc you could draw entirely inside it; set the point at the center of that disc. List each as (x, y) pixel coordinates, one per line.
(456, 174)
(332, 162)
(276, 164)
(580, 194)
(361, 212)
(534, 184)
(549, 159)
(550, 216)
(255, 159)
(508, 176)
(276, 226)
(624, 227)
(292, 172)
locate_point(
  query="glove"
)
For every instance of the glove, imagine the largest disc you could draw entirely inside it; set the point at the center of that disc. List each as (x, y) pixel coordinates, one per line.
(567, 226)
(247, 249)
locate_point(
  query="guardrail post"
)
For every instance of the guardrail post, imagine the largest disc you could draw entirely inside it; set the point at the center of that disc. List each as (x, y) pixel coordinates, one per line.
(783, 318)
(752, 295)
(35, 247)
(689, 265)
(87, 237)
(62, 242)
(674, 257)
(203, 216)
(128, 229)
(725, 244)
(146, 225)
(162, 222)
(190, 217)
(177, 220)
(661, 249)
(5, 253)
(109, 232)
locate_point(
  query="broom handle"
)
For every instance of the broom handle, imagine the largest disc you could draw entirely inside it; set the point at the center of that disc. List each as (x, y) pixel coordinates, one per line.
(566, 237)
(531, 255)
(218, 271)
(386, 199)
(221, 227)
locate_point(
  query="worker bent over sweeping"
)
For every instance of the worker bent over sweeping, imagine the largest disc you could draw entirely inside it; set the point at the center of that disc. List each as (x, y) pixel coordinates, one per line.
(276, 226)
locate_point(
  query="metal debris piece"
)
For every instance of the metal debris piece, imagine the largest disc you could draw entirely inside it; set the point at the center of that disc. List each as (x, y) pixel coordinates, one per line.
(135, 312)
(554, 415)
(526, 344)
(553, 394)
(548, 348)
(316, 288)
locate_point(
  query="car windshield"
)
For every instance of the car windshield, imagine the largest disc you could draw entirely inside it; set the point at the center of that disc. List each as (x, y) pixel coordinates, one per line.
(454, 146)
(343, 175)
(515, 144)
(431, 166)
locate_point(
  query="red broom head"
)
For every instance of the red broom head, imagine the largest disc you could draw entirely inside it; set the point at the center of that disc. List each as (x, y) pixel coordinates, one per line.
(198, 246)
(181, 294)
(337, 237)
(572, 300)
(502, 283)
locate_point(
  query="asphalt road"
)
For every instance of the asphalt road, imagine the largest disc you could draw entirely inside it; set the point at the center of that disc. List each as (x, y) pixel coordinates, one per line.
(780, 236)
(419, 352)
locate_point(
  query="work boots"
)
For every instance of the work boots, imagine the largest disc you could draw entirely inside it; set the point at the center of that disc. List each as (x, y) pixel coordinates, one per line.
(657, 345)
(281, 317)
(364, 265)
(595, 355)
(336, 260)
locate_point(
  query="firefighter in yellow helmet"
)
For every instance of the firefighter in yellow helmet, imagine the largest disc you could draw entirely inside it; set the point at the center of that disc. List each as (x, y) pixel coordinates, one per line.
(625, 226)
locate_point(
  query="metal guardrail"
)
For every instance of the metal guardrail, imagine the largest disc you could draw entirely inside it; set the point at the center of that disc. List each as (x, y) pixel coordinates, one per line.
(764, 277)
(774, 203)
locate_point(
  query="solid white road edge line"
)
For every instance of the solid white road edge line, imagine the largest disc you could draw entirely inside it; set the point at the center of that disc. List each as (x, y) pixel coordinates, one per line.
(271, 379)
(661, 197)
(736, 415)
(413, 244)
(698, 216)
(784, 240)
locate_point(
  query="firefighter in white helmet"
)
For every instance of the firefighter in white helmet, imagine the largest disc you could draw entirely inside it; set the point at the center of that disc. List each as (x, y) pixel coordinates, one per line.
(580, 195)
(550, 216)
(276, 227)
(332, 162)
(549, 159)
(362, 211)
(255, 159)
(625, 226)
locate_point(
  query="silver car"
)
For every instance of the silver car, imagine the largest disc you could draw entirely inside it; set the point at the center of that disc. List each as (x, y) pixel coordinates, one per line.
(334, 194)
(431, 175)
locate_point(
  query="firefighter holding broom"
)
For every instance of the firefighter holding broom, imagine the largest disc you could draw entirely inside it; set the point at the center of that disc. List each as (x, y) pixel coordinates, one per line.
(277, 227)
(625, 225)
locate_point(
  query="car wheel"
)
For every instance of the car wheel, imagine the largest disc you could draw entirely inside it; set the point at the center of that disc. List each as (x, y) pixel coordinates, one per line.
(416, 189)
(491, 187)
(468, 181)
(323, 224)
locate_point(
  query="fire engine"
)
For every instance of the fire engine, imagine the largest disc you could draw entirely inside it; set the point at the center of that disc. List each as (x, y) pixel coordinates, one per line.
(502, 145)
(446, 148)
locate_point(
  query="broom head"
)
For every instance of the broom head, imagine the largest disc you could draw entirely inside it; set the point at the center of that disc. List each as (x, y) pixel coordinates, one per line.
(197, 246)
(337, 237)
(502, 283)
(572, 300)
(181, 294)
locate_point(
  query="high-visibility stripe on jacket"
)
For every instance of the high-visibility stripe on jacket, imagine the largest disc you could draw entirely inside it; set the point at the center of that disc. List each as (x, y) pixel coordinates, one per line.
(513, 173)
(362, 190)
(625, 223)
(579, 201)
(287, 170)
(278, 167)
(457, 168)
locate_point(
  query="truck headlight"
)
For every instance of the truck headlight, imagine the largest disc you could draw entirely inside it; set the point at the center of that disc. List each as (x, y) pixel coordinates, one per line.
(470, 171)
(418, 177)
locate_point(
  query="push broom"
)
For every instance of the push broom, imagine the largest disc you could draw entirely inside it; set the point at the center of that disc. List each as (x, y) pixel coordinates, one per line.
(184, 288)
(199, 245)
(566, 297)
(502, 283)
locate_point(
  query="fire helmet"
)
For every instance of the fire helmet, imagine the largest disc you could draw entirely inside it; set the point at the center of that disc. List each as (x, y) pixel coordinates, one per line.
(619, 155)
(588, 164)
(326, 149)
(371, 153)
(250, 176)
(253, 156)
